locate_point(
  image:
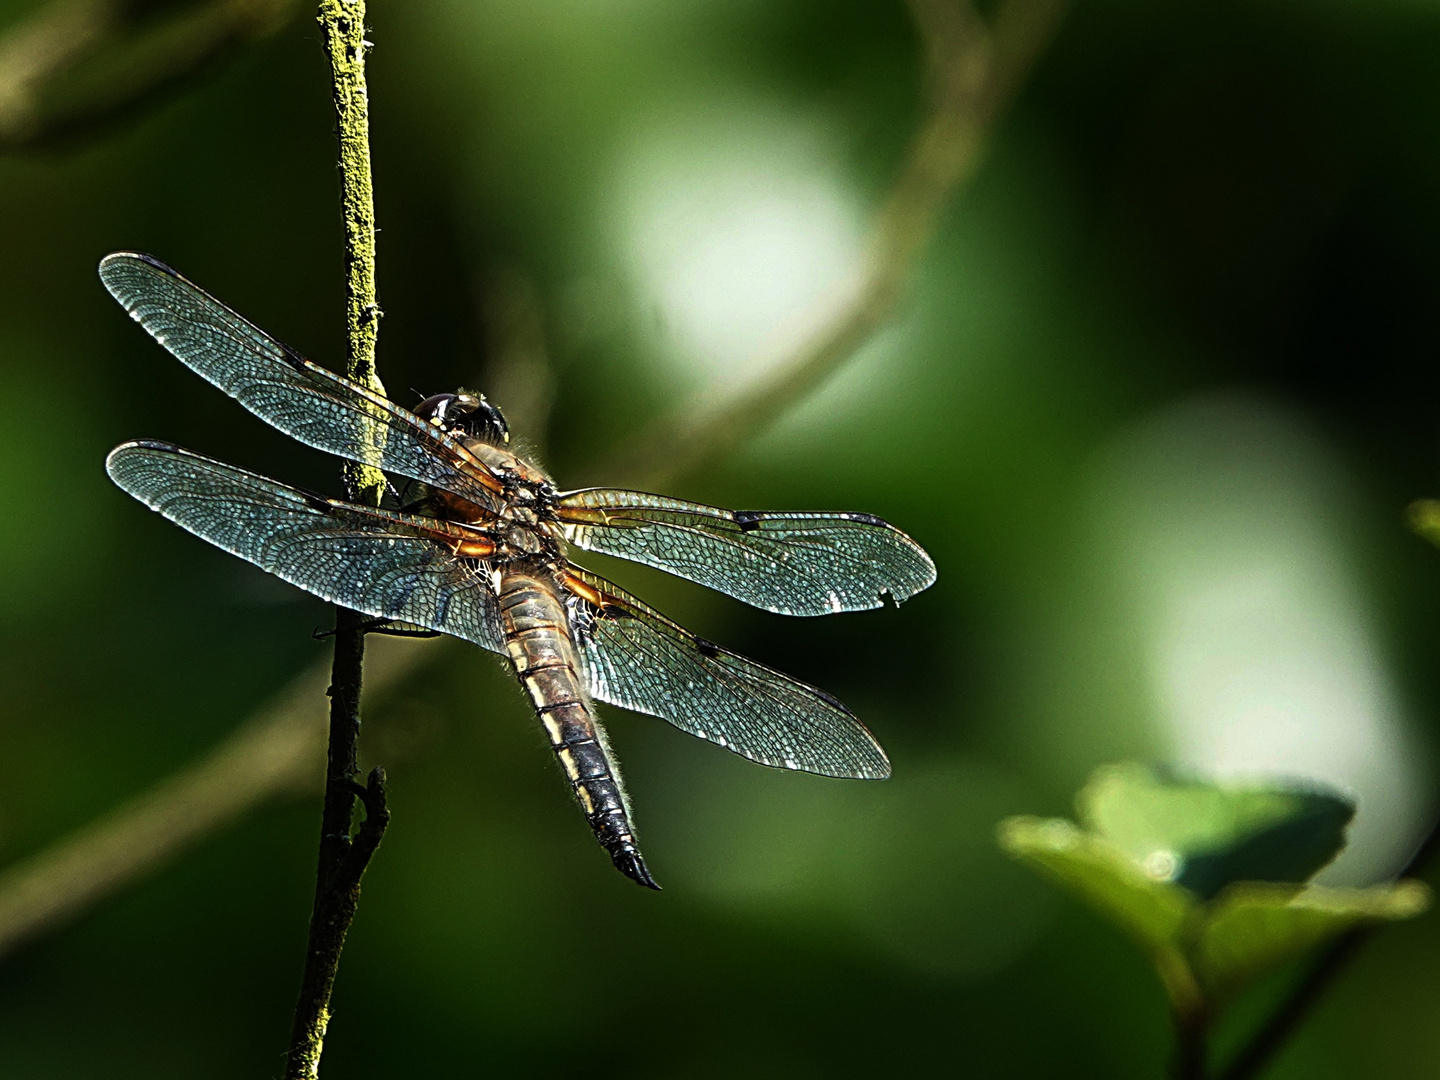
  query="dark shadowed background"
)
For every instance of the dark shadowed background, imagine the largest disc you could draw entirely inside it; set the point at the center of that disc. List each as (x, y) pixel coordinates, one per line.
(1155, 403)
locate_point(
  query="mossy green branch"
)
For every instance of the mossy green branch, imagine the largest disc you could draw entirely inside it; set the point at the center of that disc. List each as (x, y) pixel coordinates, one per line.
(342, 26)
(344, 855)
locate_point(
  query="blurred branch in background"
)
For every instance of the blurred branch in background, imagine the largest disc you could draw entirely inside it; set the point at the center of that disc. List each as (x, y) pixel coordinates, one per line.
(76, 66)
(1261, 1048)
(517, 371)
(1285, 1019)
(279, 751)
(972, 74)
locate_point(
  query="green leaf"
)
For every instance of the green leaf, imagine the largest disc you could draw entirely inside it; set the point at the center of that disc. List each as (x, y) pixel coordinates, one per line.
(1205, 836)
(1208, 879)
(1254, 927)
(1154, 913)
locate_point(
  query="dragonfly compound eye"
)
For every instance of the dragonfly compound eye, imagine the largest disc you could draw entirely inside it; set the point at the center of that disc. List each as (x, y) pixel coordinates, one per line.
(445, 410)
(490, 423)
(466, 412)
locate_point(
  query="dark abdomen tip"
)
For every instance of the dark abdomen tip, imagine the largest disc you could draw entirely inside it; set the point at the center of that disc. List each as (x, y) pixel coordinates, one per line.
(633, 866)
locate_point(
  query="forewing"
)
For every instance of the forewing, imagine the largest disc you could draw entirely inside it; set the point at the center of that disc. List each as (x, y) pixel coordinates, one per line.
(280, 386)
(391, 566)
(793, 564)
(636, 658)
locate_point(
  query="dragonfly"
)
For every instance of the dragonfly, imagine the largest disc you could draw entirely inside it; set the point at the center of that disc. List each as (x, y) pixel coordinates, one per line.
(483, 553)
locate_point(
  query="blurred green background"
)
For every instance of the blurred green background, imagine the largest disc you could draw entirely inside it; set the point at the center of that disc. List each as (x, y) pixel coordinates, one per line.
(1156, 402)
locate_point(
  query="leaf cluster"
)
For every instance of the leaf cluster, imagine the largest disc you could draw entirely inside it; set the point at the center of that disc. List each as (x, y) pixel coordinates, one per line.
(1211, 881)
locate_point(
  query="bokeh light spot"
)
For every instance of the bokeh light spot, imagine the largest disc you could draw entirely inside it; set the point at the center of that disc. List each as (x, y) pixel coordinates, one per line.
(1230, 528)
(742, 237)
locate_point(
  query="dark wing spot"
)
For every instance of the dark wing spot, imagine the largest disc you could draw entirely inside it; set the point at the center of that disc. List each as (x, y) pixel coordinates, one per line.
(831, 699)
(291, 357)
(150, 260)
(315, 500)
(707, 648)
(748, 520)
(865, 519)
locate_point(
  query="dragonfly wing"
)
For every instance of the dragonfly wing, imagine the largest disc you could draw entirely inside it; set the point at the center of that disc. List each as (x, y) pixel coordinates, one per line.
(391, 566)
(793, 564)
(636, 658)
(277, 384)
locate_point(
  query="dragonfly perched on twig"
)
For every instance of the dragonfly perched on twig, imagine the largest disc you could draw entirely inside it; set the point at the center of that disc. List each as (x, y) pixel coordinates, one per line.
(482, 554)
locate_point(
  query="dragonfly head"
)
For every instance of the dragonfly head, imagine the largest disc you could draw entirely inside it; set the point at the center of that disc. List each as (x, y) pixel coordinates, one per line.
(466, 412)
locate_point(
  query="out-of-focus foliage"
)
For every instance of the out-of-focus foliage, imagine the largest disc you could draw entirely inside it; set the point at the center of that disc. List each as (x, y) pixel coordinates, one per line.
(1204, 837)
(1425, 518)
(1156, 402)
(73, 69)
(1207, 878)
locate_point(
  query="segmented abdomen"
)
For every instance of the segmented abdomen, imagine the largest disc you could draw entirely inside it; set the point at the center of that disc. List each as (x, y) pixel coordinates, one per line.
(537, 638)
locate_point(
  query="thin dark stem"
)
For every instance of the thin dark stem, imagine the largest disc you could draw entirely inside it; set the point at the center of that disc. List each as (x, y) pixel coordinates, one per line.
(1288, 1016)
(343, 857)
(1281, 1024)
(1192, 1029)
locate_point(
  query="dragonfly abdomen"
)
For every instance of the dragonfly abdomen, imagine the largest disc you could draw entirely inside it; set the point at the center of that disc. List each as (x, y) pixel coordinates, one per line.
(537, 639)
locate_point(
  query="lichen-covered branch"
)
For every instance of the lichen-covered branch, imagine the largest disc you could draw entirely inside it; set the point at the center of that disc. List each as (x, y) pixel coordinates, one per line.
(342, 22)
(343, 856)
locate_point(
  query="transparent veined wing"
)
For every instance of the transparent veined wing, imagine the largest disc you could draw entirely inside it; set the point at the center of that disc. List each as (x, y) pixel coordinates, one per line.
(391, 566)
(636, 658)
(277, 384)
(792, 564)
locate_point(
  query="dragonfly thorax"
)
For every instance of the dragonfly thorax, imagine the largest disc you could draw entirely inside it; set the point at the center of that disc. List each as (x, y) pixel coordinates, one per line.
(525, 483)
(522, 533)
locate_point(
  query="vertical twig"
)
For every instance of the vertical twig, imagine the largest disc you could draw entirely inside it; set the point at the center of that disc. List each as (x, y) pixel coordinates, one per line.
(343, 24)
(343, 858)
(1191, 1044)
